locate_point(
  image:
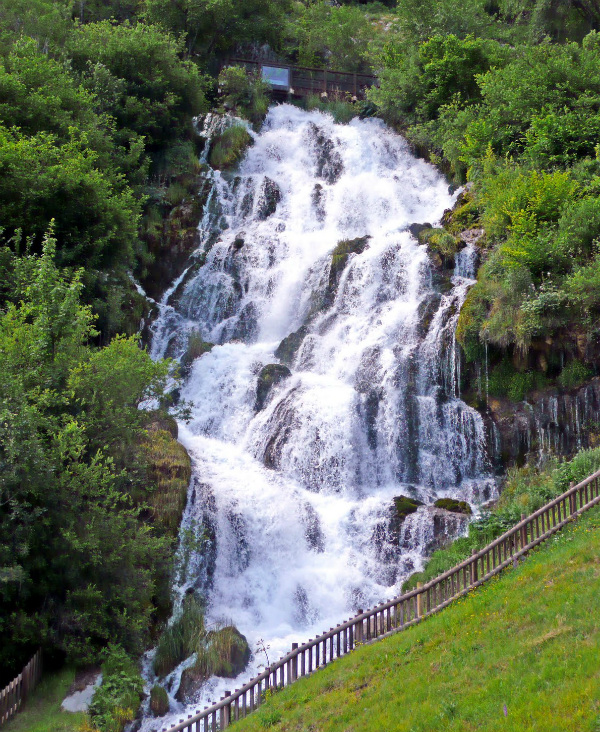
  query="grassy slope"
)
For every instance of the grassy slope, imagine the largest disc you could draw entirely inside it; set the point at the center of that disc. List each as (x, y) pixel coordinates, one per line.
(529, 640)
(42, 713)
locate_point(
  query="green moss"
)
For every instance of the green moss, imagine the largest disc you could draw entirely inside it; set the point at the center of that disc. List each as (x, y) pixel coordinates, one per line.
(229, 147)
(182, 638)
(269, 376)
(451, 504)
(439, 241)
(159, 701)
(470, 321)
(405, 506)
(290, 345)
(169, 474)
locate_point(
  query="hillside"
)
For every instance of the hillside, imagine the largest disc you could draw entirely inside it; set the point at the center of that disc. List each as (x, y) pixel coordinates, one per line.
(518, 654)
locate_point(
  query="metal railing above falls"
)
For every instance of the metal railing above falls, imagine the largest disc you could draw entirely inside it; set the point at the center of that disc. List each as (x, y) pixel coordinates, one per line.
(303, 81)
(401, 612)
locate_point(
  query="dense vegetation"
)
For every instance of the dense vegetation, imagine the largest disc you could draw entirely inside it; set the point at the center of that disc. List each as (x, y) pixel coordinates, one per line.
(98, 165)
(506, 96)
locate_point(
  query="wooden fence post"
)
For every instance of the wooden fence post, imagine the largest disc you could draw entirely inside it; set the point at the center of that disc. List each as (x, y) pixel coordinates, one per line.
(419, 600)
(294, 664)
(523, 532)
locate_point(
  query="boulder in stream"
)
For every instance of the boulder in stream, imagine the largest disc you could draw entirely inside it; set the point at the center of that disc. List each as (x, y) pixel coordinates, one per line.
(226, 653)
(269, 376)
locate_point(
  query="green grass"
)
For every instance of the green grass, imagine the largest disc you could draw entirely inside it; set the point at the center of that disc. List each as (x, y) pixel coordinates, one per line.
(520, 654)
(42, 712)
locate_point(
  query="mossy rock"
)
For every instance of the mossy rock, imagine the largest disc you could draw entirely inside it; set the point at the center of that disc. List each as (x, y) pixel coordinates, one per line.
(290, 345)
(442, 245)
(269, 376)
(229, 147)
(159, 701)
(464, 215)
(451, 504)
(196, 347)
(226, 653)
(405, 506)
(339, 259)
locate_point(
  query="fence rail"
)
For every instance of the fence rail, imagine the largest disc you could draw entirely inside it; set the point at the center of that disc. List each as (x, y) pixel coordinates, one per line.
(401, 612)
(305, 80)
(13, 696)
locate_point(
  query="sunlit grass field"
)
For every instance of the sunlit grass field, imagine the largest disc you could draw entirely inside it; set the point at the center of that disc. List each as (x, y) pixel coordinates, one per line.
(522, 653)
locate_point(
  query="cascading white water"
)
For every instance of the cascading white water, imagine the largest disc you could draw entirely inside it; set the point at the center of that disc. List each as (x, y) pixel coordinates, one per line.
(297, 497)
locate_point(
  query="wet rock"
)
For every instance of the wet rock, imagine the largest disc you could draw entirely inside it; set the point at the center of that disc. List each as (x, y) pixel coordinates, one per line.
(317, 198)
(453, 505)
(435, 529)
(196, 347)
(238, 242)
(290, 345)
(329, 162)
(312, 529)
(426, 311)
(246, 326)
(371, 407)
(269, 376)
(416, 229)
(339, 259)
(471, 237)
(268, 198)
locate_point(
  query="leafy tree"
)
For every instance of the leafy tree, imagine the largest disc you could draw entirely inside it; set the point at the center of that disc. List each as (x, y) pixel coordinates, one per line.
(77, 567)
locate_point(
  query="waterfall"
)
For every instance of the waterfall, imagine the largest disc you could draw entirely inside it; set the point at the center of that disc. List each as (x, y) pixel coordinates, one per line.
(296, 489)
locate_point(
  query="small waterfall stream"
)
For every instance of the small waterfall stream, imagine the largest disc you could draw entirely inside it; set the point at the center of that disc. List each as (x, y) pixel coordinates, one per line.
(293, 502)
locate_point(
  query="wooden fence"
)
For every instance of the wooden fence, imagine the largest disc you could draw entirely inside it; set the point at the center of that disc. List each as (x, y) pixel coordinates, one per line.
(305, 80)
(401, 612)
(14, 695)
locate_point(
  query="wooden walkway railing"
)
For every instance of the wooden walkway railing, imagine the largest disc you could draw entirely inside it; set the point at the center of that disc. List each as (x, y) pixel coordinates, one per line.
(305, 80)
(401, 612)
(14, 695)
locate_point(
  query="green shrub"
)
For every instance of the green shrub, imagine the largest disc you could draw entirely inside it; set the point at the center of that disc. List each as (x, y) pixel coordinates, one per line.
(574, 374)
(505, 381)
(117, 699)
(244, 93)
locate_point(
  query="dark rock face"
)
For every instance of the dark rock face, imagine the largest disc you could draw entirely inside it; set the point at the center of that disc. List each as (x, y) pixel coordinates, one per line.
(454, 506)
(317, 202)
(290, 345)
(233, 654)
(329, 162)
(269, 376)
(312, 529)
(552, 421)
(268, 198)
